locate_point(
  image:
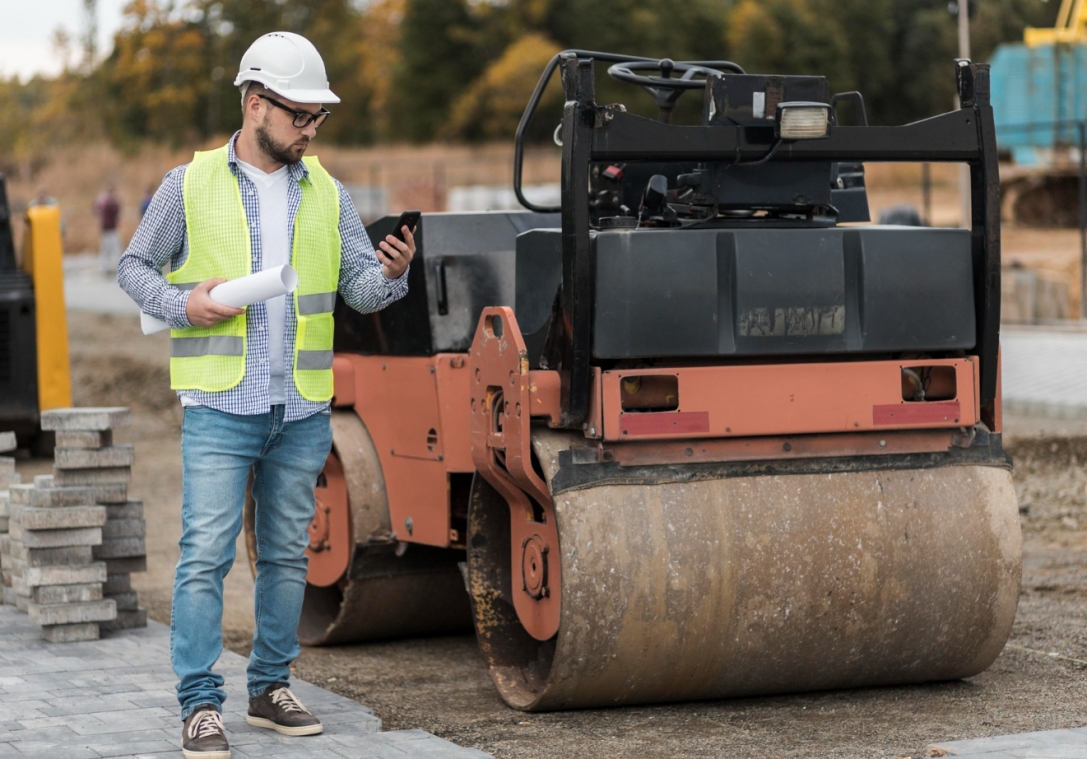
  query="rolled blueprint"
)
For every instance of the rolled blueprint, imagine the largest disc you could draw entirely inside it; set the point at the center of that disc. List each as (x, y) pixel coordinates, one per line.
(239, 293)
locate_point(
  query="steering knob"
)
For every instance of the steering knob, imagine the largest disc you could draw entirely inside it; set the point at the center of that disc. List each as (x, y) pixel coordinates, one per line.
(667, 65)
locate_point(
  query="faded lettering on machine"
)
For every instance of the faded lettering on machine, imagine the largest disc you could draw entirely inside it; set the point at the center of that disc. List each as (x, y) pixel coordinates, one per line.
(793, 322)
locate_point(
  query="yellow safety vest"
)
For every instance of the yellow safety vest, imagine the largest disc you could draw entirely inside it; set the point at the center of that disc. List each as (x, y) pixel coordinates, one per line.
(213, 358)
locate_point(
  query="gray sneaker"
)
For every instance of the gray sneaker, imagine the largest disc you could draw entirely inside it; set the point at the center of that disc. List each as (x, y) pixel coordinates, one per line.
(203, 736)
(280, 710)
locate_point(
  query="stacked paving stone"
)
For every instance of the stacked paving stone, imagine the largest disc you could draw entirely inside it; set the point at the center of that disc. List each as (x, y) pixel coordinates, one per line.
(87, 458)
(8, 477)
(74, 536)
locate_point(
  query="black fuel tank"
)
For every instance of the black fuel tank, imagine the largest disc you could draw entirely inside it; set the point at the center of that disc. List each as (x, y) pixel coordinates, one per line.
(758, 292)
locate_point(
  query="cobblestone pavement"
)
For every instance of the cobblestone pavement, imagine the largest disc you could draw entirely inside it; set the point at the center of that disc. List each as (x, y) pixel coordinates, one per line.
(1045, 371)
(115, 698)
(1047, 744)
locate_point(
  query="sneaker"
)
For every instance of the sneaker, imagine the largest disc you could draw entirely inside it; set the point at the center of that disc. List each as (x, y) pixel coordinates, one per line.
(203, 736)
(280, 710)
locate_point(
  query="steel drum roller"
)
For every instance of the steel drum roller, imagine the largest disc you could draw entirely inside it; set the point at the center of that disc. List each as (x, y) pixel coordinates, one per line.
(755, 585)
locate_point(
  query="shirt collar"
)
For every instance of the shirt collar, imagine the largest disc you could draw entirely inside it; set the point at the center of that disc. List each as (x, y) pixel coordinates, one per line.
(298, 171)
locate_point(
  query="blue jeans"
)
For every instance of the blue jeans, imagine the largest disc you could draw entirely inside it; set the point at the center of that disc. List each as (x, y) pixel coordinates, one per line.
(217, 451)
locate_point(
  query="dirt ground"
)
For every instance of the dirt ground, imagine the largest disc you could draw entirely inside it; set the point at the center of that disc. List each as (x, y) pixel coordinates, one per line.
(441, 685)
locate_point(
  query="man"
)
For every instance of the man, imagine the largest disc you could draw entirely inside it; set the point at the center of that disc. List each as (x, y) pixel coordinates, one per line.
(255, 383)
(108, 210)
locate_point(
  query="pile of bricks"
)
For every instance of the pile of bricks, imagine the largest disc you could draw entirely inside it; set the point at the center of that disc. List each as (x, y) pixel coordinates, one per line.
(74, 535)
(8, 477)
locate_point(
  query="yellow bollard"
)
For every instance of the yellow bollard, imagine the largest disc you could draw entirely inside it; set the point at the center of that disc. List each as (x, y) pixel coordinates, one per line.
(43, 253)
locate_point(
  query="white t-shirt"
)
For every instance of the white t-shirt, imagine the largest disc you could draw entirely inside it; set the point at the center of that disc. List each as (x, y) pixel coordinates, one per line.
(275, 251)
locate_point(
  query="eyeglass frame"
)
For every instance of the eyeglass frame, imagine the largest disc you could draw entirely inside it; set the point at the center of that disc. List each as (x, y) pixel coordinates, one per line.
(311, 118)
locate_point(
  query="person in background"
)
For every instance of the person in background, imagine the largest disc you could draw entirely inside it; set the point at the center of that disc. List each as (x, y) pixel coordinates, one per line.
(108, 210)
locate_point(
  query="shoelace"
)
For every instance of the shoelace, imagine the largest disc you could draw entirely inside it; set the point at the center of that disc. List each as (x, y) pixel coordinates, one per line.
(208, 722)
(287, 701)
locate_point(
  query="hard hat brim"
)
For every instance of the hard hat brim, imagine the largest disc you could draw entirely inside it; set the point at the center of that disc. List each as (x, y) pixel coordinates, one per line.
(307, 96)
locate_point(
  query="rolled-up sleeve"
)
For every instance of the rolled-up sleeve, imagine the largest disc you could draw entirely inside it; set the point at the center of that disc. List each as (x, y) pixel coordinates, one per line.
(160, 238)
(363, 284)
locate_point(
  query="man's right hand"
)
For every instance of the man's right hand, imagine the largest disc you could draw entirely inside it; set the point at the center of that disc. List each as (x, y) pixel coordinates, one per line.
(202, 311)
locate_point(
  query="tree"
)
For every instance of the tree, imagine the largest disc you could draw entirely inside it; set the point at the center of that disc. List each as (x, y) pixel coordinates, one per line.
(492, 107)
(441, 53)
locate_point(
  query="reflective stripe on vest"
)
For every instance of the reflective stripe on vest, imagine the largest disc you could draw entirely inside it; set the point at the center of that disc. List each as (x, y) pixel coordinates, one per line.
(187, 347)
(213, 359)
(317, 303)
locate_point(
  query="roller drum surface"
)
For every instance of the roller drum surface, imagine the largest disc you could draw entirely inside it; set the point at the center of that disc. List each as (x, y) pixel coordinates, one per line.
(757, 585)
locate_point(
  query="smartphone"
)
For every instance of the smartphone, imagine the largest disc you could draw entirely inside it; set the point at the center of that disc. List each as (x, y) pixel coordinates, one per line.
(407, 219)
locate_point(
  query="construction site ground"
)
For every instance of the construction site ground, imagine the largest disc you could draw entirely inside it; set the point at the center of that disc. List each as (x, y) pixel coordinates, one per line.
(441, 685)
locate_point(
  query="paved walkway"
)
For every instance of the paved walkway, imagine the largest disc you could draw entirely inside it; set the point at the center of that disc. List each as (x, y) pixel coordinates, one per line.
(115, 698)
(1048, 744)
(1045, 371)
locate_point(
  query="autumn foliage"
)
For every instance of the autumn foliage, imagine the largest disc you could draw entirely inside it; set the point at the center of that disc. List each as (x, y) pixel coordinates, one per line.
(461, 70)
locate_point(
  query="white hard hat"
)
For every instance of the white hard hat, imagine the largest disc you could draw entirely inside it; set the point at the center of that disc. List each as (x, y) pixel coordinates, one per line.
(289, 65)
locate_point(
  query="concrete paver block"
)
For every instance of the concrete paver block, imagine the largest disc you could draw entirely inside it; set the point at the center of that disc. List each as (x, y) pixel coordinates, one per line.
(66, 614)
(7, 442)
(126, 566)
(7, 472)
(126, 601)
(45, 557)
(117, 583)
(70, 633)
(87, 458)
(1047, 744)
(19, 494)
(5, 503)
(83, 536)
(88, 419)
(127, 619)
(123, 528)
(111, 493)
(59, 518)
(120, 548)
(128, 510)
(84, 439)
(66, 575)
(106, 476)
(3, 524)
(54, 497)
(67, 594)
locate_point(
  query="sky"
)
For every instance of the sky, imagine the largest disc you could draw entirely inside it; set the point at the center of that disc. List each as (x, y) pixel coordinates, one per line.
(26, 34)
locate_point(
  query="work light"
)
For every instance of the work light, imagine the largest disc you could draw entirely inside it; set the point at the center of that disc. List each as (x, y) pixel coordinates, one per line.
(802, 121)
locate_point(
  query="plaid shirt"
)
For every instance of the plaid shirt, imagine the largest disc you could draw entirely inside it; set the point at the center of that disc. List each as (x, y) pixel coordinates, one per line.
(161, 238)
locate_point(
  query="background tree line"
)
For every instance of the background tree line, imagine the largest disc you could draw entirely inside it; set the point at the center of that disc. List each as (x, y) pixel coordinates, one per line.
(422, 70)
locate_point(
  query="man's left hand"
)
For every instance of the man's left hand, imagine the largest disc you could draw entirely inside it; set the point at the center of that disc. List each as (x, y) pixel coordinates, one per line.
(396, 255)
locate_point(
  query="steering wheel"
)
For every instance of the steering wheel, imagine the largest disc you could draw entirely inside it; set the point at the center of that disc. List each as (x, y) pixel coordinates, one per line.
(664, 89)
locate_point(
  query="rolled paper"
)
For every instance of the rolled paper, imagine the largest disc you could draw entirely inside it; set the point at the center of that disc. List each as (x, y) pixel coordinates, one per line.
(239, 293)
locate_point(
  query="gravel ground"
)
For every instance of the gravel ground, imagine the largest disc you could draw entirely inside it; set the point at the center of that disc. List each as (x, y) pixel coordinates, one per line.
(441, 684)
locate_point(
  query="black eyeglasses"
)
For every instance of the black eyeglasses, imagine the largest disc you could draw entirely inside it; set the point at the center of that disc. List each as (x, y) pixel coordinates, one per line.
(302, 119)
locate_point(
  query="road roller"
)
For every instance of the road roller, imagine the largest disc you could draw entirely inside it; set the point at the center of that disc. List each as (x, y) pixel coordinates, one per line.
(697, 432)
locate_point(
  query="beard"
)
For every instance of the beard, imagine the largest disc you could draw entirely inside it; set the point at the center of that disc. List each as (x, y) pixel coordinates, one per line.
(279, 152)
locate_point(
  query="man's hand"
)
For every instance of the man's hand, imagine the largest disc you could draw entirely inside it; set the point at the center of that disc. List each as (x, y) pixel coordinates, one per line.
(202, 311)
(395, 255)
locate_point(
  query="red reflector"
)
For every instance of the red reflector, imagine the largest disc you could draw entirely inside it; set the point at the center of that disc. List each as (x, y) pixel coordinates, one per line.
(613, 173)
